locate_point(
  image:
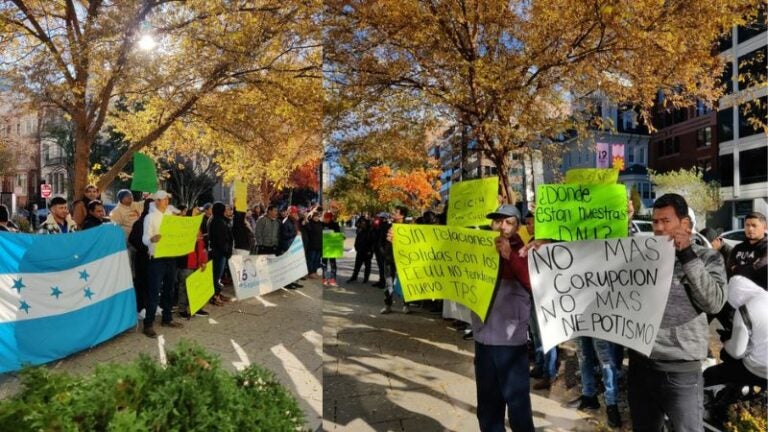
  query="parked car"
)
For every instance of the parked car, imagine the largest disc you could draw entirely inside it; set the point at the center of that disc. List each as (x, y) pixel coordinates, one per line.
(642, 227)
(645, 228)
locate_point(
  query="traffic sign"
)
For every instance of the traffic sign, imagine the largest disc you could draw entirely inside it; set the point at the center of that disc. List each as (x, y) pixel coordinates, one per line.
(45, 190)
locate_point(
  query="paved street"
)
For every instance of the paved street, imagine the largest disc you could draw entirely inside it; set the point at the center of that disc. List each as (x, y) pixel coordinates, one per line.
(406, 372)
(280, 332)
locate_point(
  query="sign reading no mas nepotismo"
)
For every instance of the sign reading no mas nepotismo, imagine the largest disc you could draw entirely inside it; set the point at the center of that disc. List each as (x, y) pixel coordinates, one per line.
(470, 201)
(613, 289)
(441, 262)
(571, 212)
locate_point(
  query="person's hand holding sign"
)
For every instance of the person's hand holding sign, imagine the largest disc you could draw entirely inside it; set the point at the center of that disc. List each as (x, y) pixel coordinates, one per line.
(681, 235)
(155, 238)
(503, 247)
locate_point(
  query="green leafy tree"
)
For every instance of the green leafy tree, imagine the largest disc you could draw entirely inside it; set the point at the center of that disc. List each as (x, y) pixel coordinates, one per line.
(701, 196)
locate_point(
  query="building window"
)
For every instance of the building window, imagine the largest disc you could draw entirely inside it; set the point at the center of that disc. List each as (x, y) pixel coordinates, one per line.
(726, 169)
(641, 156)
(701, 108)
(754, 28)
(755, 109)
(752, 166)
(725, 41)
(752, 68)
(704, 137)
(727, 78)
(725, 125)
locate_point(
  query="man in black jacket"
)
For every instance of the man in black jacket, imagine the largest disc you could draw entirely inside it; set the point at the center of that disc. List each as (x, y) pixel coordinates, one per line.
(749, 258)
(220, 242)
(287, 233)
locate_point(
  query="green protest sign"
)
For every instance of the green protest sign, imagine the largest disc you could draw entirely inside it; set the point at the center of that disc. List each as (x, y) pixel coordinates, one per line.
(443, 262)
(200, 288)
(333, 244)
(469, 201)
(178, 235)
(571, 212)
(144, 174)
(592, 176)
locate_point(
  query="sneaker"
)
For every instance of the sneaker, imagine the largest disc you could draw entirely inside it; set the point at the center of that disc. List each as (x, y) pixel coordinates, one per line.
(406, 309)
(386, 310)
(185, 314)
(202, 312)
(173, 324)
(150, 332)
(614, 417)
(325, 282)
(584, 403)
(333, 283)
(224, 298)
(468, 335)
(542, 384)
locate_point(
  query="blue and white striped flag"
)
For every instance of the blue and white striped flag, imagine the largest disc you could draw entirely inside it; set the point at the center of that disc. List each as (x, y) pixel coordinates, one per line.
(62, 293)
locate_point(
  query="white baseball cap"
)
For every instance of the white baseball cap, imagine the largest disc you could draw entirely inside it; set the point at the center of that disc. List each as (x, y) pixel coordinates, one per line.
(161, 194)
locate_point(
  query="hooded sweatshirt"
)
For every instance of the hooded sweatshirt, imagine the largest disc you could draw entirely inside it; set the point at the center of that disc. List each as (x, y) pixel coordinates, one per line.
(749, 339)
(219, 232)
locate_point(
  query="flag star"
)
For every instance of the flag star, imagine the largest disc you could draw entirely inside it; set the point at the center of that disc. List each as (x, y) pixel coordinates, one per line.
(88, 293)
(25, 306)
(84, 275)
(18, 285)
(55, 292)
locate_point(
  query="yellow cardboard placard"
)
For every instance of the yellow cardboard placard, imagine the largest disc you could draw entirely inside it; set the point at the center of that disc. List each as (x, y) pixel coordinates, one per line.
(470, 201)
(445, 262)
(200, 288)
(178, 235)
(592, 176)
(241, 195)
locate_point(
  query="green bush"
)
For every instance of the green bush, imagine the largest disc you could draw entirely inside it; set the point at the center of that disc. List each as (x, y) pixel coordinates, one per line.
(193, 393)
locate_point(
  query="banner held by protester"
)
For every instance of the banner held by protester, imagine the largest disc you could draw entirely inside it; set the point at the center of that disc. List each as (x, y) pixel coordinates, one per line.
(571, 212)
(613, 289)
(255, 275)
(443, 262)
(470, 200)
(178, 235)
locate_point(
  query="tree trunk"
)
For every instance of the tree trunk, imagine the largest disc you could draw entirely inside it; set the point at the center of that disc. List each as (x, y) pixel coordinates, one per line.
(502, 167)
(82, 156)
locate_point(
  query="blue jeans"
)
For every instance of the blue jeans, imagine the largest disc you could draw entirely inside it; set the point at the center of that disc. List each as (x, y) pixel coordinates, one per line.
(653, 393)
(219, 264)
(591, 352)
(329, 268)
(501, 376)
(544, 361)
(314, 260)
(161, 281)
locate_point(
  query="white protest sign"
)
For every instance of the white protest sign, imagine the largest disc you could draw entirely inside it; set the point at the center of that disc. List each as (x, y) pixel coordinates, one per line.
(614, 289)
(255, 275)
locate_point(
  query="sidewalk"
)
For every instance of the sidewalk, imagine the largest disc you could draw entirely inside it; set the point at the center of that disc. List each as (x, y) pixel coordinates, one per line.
(280, 331)
(401, 372)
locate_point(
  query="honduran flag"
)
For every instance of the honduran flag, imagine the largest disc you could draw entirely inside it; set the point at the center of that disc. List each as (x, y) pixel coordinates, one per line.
(62, 293)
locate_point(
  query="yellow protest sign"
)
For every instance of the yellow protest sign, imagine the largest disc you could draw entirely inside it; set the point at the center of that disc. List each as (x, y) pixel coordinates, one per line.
(200, 288)
(469, 201)
(241, 195)
(571, 212)
(443, 262)
(177, 235)
(592, 176)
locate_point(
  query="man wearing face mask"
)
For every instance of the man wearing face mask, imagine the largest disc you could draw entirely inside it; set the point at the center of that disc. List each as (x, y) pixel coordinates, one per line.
(501, 351)
(669, 381)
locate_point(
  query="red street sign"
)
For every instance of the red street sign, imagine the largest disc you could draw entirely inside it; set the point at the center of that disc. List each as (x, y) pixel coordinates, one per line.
(45, 190)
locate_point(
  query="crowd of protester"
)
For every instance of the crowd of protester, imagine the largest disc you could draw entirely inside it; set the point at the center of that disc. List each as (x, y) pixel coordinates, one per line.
(709, 283)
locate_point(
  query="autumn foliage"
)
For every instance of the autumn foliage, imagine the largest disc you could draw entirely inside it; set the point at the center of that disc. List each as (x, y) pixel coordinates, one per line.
(416, 189)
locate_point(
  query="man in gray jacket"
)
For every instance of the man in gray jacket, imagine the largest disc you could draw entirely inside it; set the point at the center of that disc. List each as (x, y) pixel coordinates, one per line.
(670, 380)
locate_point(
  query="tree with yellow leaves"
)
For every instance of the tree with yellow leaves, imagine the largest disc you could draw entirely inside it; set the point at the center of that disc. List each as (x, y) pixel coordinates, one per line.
(86, 56)
(510, 71)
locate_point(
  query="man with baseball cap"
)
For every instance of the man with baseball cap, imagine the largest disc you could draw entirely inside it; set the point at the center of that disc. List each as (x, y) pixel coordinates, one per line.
(501, 351)
(161, 271)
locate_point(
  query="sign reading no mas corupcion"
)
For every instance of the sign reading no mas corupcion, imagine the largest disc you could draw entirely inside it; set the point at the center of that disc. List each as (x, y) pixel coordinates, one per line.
(613, 289)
